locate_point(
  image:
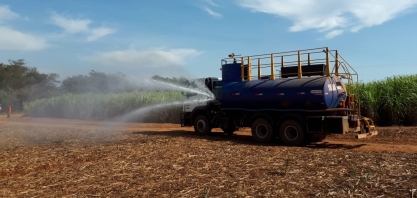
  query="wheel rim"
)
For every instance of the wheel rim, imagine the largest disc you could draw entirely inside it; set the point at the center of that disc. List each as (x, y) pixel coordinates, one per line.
(201, 125)
(261, 131)
(291, 133)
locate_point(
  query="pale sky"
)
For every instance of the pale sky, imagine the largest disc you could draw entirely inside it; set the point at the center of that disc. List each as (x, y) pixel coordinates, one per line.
(189, 37)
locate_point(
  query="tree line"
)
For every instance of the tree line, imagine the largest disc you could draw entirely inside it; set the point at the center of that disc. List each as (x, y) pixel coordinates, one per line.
(20, 83)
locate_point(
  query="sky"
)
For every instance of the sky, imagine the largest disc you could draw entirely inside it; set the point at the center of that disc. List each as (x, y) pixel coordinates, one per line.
(188, 38)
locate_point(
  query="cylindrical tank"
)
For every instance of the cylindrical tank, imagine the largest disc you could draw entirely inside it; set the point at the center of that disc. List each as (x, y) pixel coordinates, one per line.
(285, 93)
(232, 72)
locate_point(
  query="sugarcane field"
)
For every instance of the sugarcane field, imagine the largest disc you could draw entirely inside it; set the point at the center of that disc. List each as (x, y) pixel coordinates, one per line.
(213, 137)
(283, 135)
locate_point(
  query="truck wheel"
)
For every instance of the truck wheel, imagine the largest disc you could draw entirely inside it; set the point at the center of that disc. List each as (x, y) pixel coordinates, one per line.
(202, 125)
(262, 130)
(291, 133)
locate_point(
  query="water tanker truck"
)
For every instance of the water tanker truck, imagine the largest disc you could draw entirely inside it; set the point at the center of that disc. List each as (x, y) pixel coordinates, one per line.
(297, 97)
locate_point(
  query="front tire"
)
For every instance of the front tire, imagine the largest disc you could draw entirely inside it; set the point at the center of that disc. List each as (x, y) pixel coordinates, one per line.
(291, 133)
(202, 125)
(262, 130)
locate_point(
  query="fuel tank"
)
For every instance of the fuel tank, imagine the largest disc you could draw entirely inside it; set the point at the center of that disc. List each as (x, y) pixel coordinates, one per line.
(309, 93)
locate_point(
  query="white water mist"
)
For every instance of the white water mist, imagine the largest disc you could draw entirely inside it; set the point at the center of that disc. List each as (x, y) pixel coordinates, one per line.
(203, 90)
(140, 112)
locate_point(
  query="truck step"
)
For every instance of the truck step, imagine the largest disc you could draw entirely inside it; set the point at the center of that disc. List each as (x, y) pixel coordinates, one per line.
(366, 135)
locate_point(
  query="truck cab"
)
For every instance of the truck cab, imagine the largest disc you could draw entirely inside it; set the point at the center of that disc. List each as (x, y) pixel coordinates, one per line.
(193, 100)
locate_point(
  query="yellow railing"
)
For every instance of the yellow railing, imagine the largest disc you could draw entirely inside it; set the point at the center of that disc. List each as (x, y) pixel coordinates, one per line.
(276, 60)
(297, 59)
(344, 70)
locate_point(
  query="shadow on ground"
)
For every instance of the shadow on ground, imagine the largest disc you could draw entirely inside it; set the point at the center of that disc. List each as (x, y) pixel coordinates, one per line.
(243, 139)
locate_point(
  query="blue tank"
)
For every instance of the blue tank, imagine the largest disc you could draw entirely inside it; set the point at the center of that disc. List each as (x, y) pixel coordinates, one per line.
(309, 93)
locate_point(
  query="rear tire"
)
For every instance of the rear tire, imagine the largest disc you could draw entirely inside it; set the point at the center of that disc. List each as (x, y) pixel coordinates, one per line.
(262, 130)
(291, 133)
(202, 125)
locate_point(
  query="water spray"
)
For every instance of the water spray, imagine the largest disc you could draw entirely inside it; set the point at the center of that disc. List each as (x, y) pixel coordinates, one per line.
(205, 93)
(142, 110)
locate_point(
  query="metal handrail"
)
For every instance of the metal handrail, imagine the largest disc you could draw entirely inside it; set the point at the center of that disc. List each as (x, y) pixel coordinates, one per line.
(246, 61)
(350, 72)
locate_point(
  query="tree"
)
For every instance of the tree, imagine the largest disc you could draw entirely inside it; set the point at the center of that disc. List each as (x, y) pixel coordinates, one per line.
(97, 82)
(22, 83)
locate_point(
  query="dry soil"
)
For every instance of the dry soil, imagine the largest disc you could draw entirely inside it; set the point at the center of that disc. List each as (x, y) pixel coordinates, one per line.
(43, 157)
